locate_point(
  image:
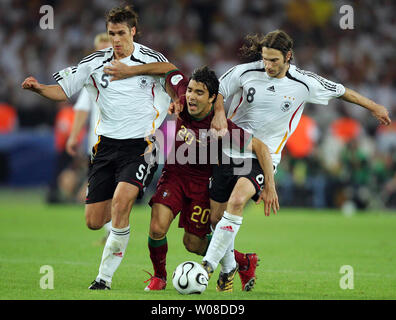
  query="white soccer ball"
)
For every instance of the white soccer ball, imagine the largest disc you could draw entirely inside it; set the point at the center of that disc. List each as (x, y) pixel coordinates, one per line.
(190, 277)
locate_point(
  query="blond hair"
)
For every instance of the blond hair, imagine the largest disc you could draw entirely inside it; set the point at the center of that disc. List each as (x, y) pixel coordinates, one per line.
(101, 37)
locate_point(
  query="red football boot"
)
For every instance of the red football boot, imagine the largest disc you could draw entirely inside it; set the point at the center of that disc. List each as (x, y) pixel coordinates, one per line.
(248, 276)
(155, 283)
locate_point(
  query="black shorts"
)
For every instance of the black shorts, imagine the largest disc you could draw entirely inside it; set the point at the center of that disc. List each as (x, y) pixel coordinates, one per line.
(114, 161)
(225, 176)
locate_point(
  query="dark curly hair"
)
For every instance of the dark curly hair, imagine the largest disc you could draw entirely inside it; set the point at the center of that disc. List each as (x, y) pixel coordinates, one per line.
(207, 77)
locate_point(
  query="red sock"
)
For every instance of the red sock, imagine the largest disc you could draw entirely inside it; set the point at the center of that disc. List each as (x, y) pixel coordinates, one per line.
(158, 250)
(241, 259)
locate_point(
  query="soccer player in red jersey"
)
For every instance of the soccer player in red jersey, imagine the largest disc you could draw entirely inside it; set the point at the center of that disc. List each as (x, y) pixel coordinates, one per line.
(183, 185)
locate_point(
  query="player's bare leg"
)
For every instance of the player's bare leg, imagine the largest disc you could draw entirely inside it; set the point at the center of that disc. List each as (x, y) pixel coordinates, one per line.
(240, 195)
(195, 244)
(97, 214)
(216, 212)
(161, 219)
(123, 200)
(114, 250)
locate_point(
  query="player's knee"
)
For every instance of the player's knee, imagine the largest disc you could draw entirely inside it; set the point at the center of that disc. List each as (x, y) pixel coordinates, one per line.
(192, 244)
(157, 231)
(97, 215)
(161, 219)
(93, 223)
(236, 201)
(90, 220)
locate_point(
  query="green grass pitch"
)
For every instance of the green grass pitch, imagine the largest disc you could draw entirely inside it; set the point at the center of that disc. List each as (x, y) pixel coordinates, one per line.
(301, 251)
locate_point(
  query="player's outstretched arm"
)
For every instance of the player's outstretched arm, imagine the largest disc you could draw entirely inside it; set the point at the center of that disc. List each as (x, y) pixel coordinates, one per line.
(53, 92)
(378, 111)
(119, 70)
(268, 195)
(80, 117)
(219, 122)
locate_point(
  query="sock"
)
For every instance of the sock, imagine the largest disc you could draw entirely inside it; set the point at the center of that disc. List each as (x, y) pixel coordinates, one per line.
(222, 238)
(158, 250)
(113, 253)
(107, 228)
(242, 260)
(228, 262)
(231, 257)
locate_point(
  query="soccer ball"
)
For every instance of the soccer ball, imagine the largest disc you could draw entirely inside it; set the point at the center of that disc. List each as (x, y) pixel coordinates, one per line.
(190, 277)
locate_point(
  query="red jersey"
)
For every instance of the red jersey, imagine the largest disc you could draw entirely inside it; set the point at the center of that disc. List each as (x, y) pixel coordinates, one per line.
(194, 151)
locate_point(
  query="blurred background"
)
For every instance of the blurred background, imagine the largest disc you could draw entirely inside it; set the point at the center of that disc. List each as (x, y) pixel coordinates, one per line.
(339, 157)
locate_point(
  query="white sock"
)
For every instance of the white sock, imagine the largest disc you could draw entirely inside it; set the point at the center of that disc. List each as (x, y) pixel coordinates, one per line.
(113, 253)
(223, 237)
(228, 262)
(107, 228)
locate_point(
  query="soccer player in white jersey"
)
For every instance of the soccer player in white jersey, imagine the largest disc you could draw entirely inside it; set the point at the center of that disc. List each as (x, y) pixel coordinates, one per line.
(268, 98)
(123, 159)
(86, 107)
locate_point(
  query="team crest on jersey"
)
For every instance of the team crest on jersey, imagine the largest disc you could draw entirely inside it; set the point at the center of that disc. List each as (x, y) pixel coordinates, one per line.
(143, 82)
(286, 105)
(165, 194)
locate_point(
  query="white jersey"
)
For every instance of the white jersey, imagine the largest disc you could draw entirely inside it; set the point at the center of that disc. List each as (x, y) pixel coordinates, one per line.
(271, 108)
(85, 103)
(127, 107)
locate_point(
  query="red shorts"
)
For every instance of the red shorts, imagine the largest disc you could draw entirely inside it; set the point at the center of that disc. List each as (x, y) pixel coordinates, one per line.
(188, 196)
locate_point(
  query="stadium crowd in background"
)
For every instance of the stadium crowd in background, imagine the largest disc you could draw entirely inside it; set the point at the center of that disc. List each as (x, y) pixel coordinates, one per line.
(356, 167)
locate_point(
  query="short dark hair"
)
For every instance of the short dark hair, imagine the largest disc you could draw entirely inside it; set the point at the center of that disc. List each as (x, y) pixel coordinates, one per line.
(277, 39)
(123, 15)
(207, 77)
